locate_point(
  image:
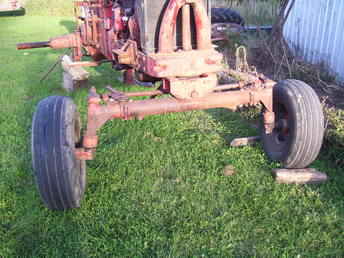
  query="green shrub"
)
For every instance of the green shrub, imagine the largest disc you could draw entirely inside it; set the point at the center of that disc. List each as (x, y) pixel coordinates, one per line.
(334, 138)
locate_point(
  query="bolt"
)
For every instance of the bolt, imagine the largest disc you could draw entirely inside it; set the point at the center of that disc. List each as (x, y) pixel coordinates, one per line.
(194, 94)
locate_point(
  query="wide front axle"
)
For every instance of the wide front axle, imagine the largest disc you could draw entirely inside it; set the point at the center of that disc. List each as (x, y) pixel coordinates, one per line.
(119, 105)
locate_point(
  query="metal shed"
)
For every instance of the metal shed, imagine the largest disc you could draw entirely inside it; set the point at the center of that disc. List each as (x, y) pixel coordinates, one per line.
(315, 32)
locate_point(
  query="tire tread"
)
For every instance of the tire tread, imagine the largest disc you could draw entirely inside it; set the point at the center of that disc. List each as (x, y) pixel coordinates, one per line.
(306, 144)
(55, 170)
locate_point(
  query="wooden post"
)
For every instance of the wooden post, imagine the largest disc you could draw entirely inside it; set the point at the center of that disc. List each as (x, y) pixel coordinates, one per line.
(73, 76)
(299, 176)
(239, 142)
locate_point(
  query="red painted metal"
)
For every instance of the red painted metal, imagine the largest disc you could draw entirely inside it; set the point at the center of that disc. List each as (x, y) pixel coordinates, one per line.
(186, 72)
(14, 4)
(85, 63)
(66, 41)
(30, 45)
(99, 113)
(129, 77)
(186, 15)
(181, 63)
(167, 30)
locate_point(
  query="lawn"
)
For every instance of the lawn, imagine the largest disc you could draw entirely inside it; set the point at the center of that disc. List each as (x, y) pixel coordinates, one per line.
(156, 187)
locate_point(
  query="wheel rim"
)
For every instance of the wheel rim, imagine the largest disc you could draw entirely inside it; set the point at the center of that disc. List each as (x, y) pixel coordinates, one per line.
(79, 164)
(280, 137)
(298, 131)
(281, 131)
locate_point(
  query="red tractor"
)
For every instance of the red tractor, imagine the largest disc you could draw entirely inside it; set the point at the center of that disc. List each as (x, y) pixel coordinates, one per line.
(168, 43)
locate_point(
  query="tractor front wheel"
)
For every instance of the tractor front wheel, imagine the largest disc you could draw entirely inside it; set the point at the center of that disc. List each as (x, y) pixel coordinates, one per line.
(61, 178)
(299, 125)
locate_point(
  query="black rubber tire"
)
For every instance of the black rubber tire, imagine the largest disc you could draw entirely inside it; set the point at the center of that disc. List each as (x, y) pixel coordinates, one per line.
(226, 15)
(299, 125)
(60, 177)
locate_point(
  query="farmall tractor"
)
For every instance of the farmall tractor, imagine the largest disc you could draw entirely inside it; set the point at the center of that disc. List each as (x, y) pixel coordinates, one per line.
(166, 42)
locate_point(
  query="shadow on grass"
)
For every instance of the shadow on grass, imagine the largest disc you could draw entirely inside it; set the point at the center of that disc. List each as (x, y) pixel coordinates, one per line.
(69, 25)
(331, 192)
(236, 126)
(32, 229)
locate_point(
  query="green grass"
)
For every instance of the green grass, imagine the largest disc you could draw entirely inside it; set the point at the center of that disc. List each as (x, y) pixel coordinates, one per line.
(49, 8)
(156, 187)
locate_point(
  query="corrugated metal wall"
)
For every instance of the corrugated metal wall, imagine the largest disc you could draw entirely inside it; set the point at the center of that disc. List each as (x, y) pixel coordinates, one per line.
(315, 30)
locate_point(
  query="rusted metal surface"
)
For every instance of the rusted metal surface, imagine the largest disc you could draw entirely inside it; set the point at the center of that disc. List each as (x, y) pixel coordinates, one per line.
(66, 41)
(129, 77)
(71, 40)
(85, 64)
(184, 64)
(14, 4)
(166, 42)
(127, 53)
(30, 45)
(269, 120)
(120, 96)
(11, 5)
(106, 33)
(117, 105)
(187, 88)
(187, 45)
(82, 154)
(152, 93)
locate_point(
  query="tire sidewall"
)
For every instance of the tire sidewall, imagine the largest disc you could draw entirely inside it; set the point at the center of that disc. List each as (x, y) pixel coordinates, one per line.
(60, 177)
(305, 122)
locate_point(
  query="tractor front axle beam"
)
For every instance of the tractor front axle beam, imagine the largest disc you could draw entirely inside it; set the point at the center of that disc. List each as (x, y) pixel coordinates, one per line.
(116, 105)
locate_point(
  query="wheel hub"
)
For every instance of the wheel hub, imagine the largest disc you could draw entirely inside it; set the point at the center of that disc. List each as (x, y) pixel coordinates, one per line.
(282, 130)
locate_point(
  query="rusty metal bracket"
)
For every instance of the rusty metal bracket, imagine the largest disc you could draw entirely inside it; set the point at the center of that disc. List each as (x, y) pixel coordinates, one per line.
(128, 53)
(186, 88)
(83, 154)
(116, 95)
